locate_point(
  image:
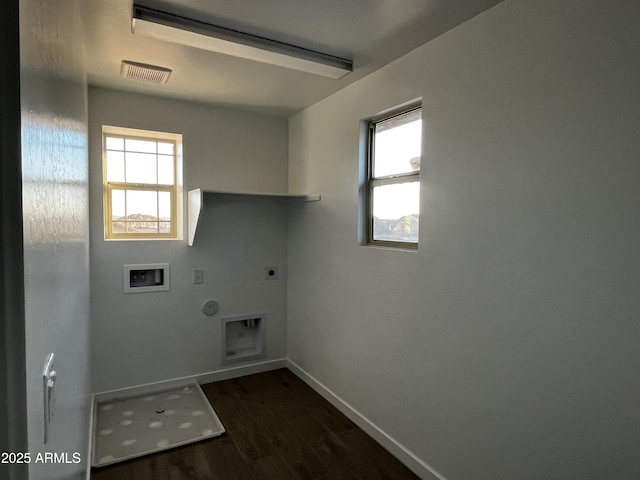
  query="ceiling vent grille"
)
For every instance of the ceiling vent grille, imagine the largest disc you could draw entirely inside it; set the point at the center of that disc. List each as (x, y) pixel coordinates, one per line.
(145, 73)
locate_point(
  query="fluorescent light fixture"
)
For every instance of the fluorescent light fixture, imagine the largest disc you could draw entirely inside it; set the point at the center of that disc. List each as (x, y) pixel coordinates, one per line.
(193, 33)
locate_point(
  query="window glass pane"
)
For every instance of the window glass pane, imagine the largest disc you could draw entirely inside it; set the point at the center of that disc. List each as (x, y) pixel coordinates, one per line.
(165, 227)
(144, 146)
(164, 211)
(141, 168)
(115, 166)
(117, 205)
(142, 226)
(396, 211)
(164, 205)
(165, 148)
(142, 205)
(114, 143)
(165, 170)
(118, 227)
(398, 144)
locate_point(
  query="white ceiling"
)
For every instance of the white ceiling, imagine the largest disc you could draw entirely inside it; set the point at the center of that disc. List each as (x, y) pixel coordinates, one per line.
(372, 33)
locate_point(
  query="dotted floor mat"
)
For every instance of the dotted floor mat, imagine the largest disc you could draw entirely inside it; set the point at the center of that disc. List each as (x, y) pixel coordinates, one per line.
(132, 427)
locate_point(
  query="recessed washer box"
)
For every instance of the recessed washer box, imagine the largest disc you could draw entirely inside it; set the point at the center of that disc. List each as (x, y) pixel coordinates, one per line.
(243, 337)
(150, 277)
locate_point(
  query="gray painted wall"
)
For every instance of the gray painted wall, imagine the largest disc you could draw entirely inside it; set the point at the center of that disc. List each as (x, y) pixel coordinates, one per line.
(148, 337)
(56, 229)
(507, 345)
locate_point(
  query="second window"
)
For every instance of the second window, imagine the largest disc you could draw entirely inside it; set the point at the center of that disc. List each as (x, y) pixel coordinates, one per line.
(393, 178)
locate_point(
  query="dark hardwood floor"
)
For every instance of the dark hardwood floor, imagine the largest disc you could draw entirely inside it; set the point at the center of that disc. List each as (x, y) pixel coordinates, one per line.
(278, 428)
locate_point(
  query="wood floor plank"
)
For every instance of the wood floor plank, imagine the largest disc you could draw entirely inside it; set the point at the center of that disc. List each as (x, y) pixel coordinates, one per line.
(225, 460)
(387, 466)
(237, 421)
(139, 468)
(115, 472)
(320, 408)
(224, 400)
(297, 454)
(249, 439)
(261, 390)
(271, 468)
(162, 469)
(345, 462)
(189, 462)
(222, 388)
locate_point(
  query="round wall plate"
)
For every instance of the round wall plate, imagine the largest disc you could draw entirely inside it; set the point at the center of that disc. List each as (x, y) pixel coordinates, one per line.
(210, 307)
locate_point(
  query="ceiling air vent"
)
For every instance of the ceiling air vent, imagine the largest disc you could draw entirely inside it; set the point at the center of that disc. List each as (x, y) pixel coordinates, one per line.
(145, 73)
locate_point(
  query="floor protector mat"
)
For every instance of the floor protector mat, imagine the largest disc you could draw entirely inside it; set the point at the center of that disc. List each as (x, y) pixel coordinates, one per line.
(131, 427)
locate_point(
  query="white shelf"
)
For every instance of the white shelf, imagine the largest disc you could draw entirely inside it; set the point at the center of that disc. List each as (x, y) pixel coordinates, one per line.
(196, 202)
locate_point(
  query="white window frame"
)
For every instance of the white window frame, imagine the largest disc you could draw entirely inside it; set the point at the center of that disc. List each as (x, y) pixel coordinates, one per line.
(371, 182)
(176, 189)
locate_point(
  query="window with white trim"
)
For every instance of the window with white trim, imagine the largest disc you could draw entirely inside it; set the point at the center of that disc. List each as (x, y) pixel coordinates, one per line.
(393, 178)
(142, 184)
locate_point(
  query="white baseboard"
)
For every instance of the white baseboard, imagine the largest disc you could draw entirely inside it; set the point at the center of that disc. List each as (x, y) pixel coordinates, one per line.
(411, 461)
(202, 378)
